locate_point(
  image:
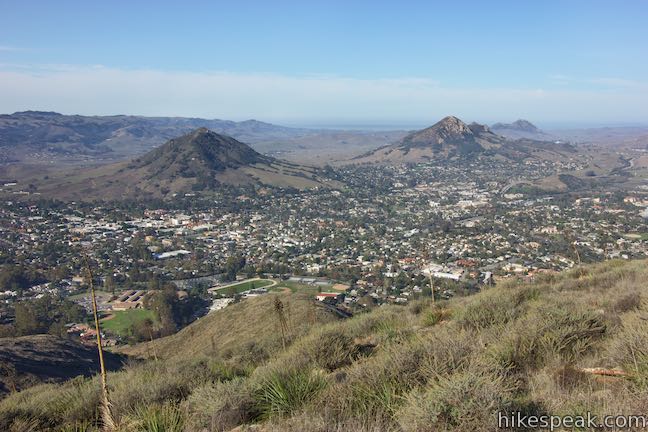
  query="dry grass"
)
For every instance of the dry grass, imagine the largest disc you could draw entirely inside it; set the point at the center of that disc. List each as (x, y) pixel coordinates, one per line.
(449, 366)
(248, 329)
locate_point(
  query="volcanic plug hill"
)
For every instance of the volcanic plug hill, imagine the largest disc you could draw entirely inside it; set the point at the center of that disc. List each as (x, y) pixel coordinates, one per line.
(450, 138)
(519, 125)
(197, 155)
(193, 163)
(520, 129)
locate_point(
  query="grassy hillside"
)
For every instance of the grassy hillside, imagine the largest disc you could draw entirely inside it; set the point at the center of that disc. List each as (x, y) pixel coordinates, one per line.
(246, 329)
(423, 367)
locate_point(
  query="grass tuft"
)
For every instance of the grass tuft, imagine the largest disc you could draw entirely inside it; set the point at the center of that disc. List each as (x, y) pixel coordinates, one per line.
(283, 392)
(158, 418)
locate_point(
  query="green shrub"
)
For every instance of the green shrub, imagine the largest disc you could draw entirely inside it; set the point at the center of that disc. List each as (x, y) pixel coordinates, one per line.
(545, 332)
(220, 406)
(466, 401)
(446, 352)
(371, 390)
(382, 321)
(158, 383)
(571, 334)
(24, 425)
(496, 306)
(329, 349)
(377, 399)
(282, 392)
(158, 418)
(52, 405)
(629, 349)
(435, 316)
(222, 371)
(520, 348)
(627, 303)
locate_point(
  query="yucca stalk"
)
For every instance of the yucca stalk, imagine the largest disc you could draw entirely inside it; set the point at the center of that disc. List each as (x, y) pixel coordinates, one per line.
(283, 325)
(432, 288)
(572, 239)
(107, 418)
(426, 257)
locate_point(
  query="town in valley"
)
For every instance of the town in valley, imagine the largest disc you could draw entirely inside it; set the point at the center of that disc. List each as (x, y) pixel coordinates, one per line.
(384, 234)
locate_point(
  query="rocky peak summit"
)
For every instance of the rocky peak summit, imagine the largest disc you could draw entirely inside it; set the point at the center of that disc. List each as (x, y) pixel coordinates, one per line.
(450, 131)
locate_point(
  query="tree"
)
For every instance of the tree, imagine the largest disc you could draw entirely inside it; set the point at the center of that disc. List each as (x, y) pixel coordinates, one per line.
(154, 283)
(17, 278)
(57, 328)
(232, 266)
(143, 330)
(46, 315)
(109, 284)
(402, 280)
(164, 303)
(27, 321)
(7, 330)
(198, 289)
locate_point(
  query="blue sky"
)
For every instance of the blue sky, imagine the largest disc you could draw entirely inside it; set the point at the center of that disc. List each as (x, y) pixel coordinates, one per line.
(308, 62)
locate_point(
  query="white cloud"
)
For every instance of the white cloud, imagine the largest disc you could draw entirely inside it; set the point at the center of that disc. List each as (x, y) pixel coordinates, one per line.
(299, 99)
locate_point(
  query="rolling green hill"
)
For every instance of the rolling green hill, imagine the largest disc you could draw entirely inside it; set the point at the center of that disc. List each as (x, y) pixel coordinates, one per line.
(564, 344)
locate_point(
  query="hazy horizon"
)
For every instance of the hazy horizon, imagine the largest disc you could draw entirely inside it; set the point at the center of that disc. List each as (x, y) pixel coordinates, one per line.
(376, 126)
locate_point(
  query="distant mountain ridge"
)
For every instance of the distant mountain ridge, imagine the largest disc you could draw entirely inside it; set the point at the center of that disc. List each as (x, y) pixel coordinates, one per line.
(118, 136)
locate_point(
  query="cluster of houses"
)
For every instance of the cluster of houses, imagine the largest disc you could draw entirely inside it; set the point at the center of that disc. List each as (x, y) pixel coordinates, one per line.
(461, 223)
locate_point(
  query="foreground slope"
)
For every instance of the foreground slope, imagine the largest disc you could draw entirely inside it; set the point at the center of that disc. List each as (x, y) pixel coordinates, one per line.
(196, 162)
(563, 344)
